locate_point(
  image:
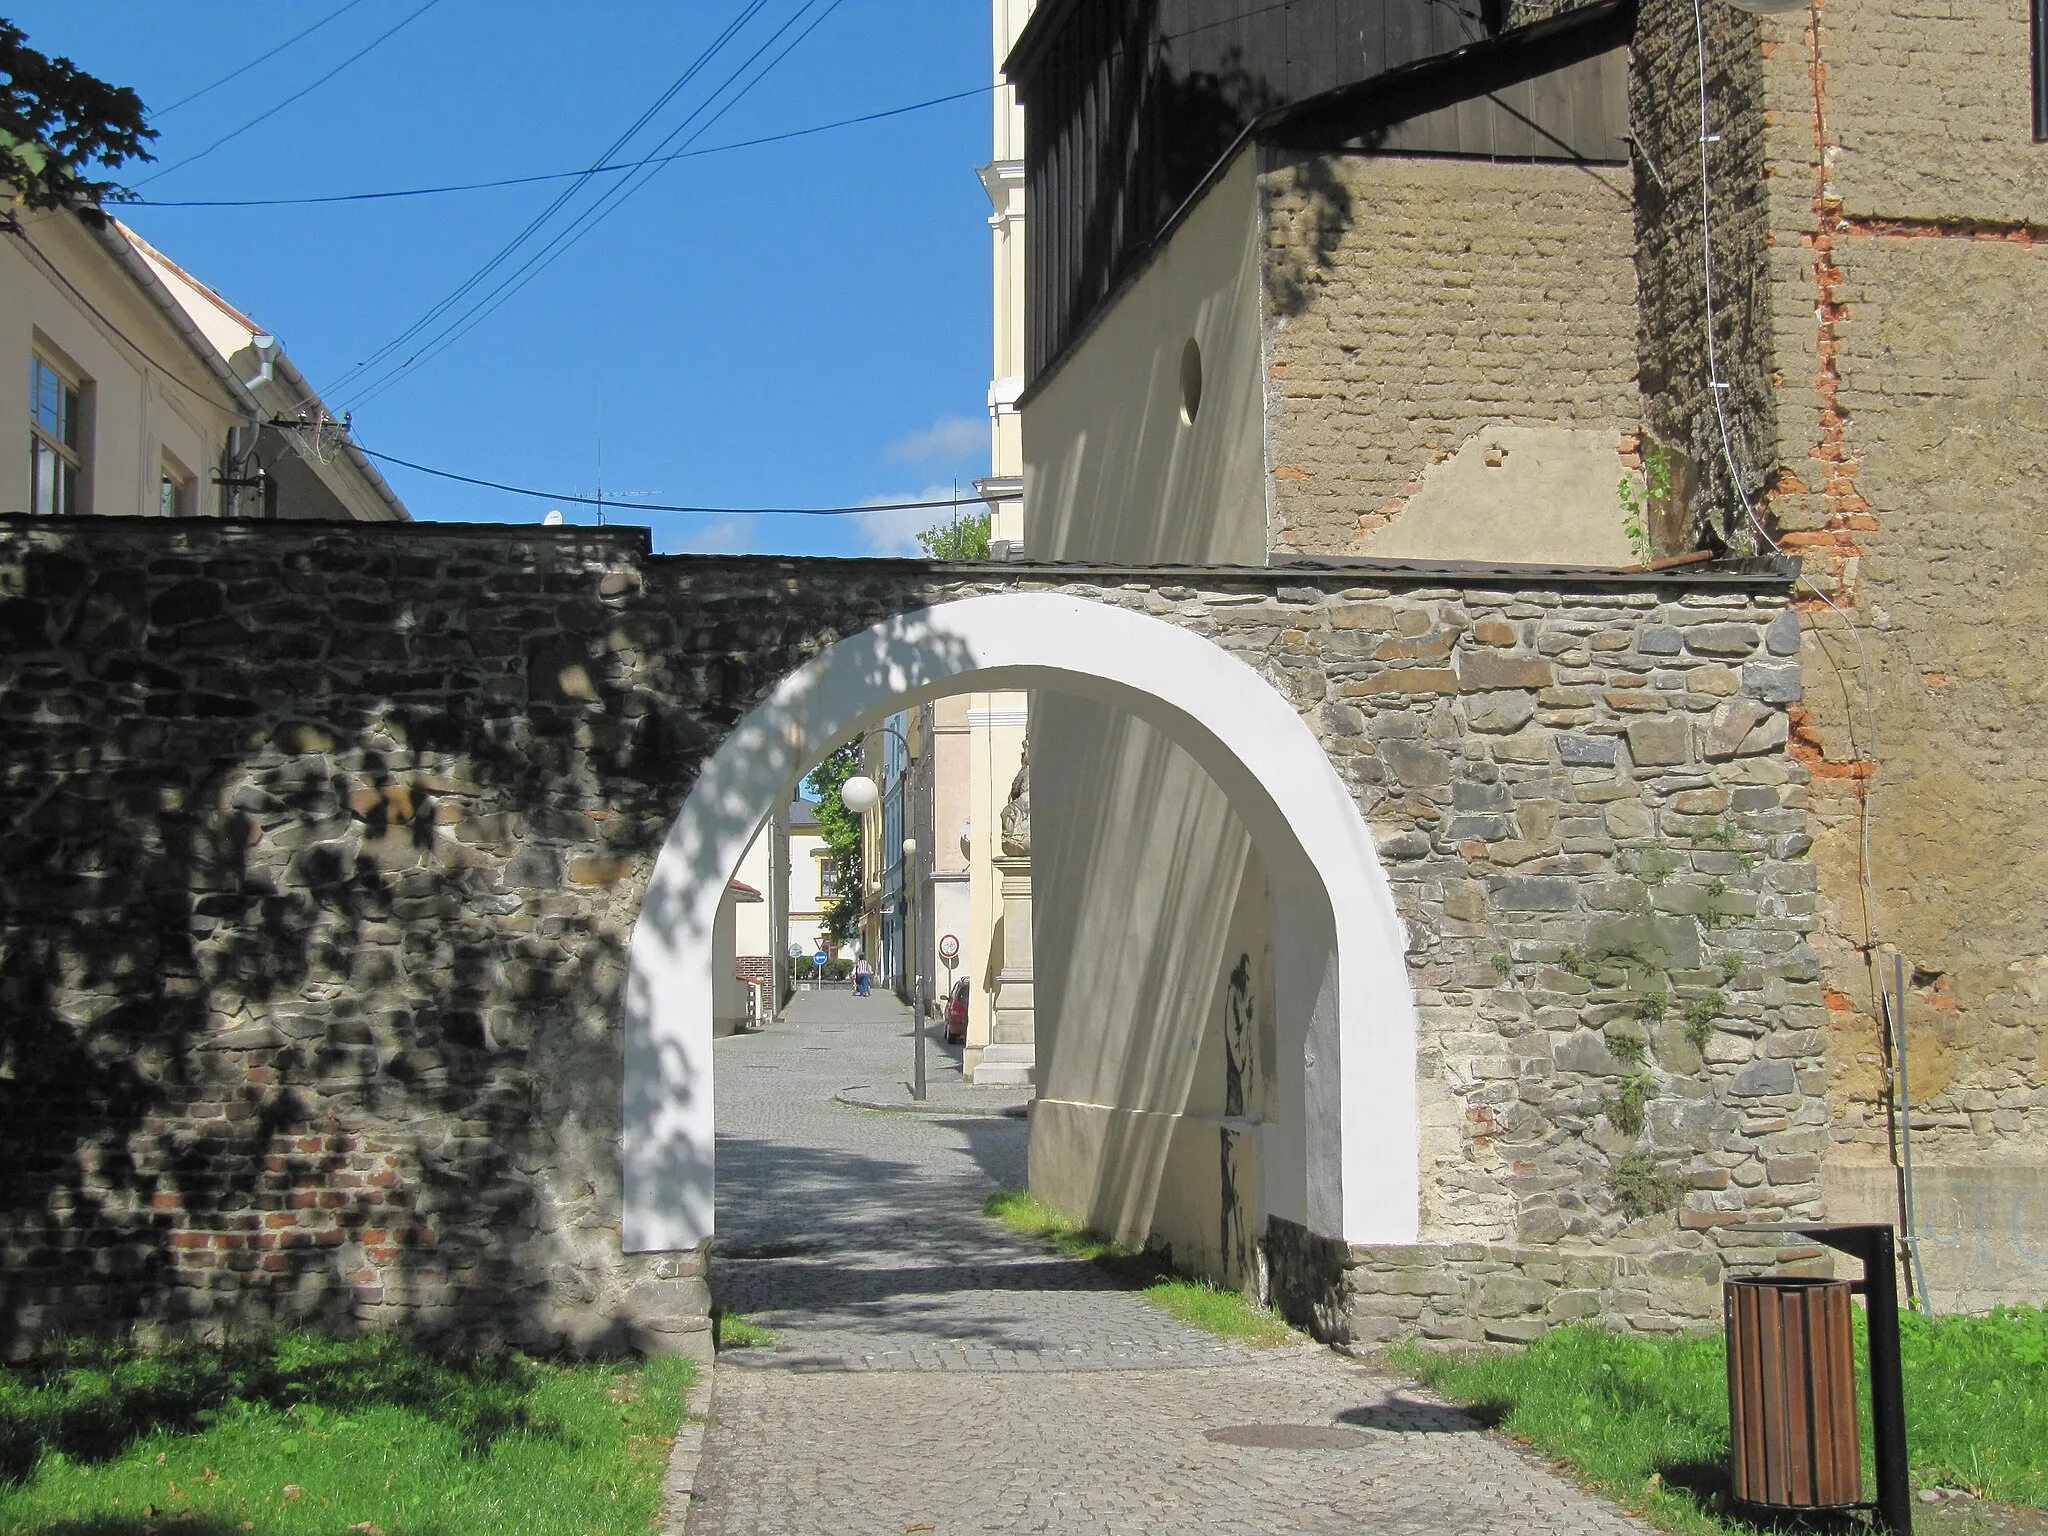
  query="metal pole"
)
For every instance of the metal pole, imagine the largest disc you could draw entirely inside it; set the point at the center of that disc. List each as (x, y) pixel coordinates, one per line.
(1887, 1383)
(1916, 1277)
(917, 998)
(2039, 17)
(778, 912)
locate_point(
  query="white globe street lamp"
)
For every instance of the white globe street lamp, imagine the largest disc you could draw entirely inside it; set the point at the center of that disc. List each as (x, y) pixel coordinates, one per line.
(860, 795)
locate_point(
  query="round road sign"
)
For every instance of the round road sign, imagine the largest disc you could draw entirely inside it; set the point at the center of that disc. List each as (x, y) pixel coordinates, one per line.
(949, 949)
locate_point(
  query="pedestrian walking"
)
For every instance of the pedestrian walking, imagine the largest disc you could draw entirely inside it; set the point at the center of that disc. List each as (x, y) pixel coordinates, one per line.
(862, 973)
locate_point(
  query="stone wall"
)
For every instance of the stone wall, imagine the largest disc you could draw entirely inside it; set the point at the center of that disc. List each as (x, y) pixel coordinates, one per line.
(1583, 801)
(1455, 1294)
(1442, 317)
(327, 843)
(324, 852)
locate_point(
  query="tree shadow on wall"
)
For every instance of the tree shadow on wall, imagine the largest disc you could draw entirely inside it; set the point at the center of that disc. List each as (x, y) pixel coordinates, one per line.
(324, 847)
(1319, 210)
(1163, 127)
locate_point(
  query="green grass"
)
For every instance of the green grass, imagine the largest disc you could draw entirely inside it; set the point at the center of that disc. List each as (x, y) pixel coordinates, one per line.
(1647, 1421)
(296, 1435)
(735, 1332)
(1226, 1314)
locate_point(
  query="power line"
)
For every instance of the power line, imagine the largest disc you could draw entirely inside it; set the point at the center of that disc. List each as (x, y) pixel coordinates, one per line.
(595, 214)
(126, 340)
(659, 506)
(608, 204)
(521, 181)
(265, 58)
(264, 117)
(505, 252)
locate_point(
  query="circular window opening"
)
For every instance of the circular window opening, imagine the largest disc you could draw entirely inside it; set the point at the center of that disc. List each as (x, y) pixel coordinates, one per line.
(1190, 381)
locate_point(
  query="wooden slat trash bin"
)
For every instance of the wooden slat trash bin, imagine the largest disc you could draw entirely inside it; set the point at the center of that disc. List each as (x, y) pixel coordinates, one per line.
(1792, 1393)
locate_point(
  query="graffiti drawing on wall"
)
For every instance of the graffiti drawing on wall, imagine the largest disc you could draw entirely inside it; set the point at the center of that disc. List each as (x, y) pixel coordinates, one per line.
(1240, 1087)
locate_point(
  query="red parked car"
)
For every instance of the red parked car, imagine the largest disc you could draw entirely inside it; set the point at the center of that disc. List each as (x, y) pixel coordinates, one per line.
(956, 1013)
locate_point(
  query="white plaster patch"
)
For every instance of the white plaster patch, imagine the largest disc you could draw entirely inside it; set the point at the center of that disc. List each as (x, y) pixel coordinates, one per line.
(1533, 495)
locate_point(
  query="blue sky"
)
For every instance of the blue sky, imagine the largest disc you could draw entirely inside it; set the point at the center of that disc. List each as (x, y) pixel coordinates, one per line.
(803, 323)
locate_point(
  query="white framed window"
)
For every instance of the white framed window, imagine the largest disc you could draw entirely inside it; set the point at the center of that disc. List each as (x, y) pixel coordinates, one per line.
(56, 427)
(177, 490)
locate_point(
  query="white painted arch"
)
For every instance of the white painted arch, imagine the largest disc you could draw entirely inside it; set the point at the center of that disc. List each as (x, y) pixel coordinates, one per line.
(1343, 1158)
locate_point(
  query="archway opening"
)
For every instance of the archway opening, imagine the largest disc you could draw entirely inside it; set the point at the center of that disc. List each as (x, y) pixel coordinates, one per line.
(1339, 1154)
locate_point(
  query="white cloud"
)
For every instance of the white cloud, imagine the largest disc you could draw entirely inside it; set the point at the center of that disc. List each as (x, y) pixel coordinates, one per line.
(727, 536)
(950, 437)
(895, 532)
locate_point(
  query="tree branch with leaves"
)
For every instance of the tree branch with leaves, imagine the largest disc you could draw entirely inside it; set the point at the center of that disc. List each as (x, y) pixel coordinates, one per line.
(964, 538)
(56, 121)
(841, 830)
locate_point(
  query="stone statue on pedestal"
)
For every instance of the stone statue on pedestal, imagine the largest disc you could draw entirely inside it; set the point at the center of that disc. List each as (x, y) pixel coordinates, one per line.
(1017, 814)
(1011, 1055)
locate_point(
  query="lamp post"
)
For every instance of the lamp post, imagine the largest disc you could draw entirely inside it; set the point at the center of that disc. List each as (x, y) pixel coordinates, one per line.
(860, 795)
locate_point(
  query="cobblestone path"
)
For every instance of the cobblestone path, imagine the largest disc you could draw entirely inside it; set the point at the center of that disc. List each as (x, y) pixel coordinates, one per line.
(933, 1372)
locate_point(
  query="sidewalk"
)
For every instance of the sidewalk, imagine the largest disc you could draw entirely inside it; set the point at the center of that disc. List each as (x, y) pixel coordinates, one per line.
(932, 1371)
(947, 1091)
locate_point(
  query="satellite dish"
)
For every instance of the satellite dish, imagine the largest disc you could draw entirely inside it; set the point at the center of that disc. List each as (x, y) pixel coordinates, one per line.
(553, 519)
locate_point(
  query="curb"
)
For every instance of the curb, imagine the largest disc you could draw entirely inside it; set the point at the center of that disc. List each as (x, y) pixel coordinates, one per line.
(679, 1482)
(853, 1098)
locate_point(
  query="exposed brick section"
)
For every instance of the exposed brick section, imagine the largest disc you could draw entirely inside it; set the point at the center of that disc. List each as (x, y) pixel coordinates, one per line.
(1419, 300)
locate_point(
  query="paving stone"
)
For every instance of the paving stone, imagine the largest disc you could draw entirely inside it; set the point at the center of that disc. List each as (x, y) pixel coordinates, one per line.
(933, 1371)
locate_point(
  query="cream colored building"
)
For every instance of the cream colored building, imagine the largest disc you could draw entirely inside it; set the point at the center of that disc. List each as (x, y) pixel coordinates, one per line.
(309, 468)
(731, 1006)
(947, 889)
(1364, 352)
(754, 932)
(779, 898)
(807, 877)
(996, 722)
(813, 878)
(977, 739)
(144, 393)
(1003, 179)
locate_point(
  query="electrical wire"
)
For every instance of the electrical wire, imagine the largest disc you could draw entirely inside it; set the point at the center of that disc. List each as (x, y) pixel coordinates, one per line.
(494, 485)
(561, 200)
(265, 58)
(264, 117)
(97, 313)
(522, 181)
(603, 208)
(609, 203)
(660, 506)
